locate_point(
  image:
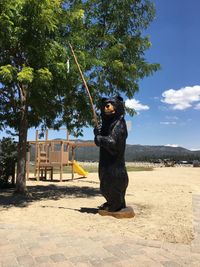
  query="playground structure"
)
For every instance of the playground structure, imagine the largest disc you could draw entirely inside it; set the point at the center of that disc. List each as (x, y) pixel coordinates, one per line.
(54, 154)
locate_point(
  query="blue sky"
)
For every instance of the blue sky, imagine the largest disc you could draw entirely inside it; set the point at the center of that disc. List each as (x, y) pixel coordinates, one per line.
(168, 103)
(172, 117)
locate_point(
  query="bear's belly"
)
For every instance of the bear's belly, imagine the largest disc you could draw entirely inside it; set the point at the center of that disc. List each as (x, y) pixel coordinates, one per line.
(113, 176)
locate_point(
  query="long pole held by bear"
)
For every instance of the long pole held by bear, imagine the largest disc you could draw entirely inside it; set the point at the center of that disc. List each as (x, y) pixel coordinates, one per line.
(85, 84)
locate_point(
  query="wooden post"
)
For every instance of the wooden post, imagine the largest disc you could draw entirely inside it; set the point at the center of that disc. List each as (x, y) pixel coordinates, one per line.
(73, 156)
(46, 145)
(67, 147)
(36, 153)
(61, 161)
(28, 165)
(38, 163)
(67, 135)
(46, 135)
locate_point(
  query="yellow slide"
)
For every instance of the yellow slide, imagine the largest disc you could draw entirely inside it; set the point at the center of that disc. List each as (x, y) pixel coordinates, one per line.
(78, 169)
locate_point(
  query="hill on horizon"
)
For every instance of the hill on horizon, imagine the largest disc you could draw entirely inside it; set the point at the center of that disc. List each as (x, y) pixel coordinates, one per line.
(135, 153)
(140, 153)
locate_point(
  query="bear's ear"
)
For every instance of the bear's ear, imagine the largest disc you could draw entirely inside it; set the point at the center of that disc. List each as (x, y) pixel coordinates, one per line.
(118, 97)
(103, 99)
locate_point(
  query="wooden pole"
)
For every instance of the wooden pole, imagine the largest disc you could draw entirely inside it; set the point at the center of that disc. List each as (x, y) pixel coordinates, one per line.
(38, 170)
(67, 147)
(46, 144)
(73, 156)
(36, 153)
(67, 135)
(85, 84)
(61, 160)
(28, 164)
(46, 135)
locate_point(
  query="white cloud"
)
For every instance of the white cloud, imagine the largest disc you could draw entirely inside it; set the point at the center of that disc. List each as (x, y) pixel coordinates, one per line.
(195, 149)
(135, 104)
(172, 145)
(172, 118)
(129, 125)
(197, 106)
(182, 98)
(168, 122)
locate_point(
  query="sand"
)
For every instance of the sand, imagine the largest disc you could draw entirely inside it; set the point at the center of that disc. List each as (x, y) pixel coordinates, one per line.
(161, 199)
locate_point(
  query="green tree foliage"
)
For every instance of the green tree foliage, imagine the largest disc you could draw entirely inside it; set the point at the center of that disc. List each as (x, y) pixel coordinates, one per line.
(36, 87)
(116, 41)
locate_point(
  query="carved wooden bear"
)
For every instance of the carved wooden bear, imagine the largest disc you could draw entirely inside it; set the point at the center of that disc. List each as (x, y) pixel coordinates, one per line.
(111, 138)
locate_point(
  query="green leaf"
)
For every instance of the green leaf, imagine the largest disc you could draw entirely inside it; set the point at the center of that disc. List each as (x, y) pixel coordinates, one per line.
(44, 75)
(26, 75)
(117, 65)
(7, 73)
(78, 14)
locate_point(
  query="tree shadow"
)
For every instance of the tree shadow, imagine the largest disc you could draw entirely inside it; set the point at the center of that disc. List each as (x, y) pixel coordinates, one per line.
(54, 180)
(9, 199)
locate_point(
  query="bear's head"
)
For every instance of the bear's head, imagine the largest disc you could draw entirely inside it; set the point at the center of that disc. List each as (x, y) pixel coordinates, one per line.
(112, 107)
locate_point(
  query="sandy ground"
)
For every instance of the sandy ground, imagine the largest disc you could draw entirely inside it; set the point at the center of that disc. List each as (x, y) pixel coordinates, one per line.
(162, 200)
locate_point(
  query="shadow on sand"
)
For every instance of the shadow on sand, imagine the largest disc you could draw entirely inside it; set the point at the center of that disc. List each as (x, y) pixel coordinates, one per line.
(82, 209)
(42, 192)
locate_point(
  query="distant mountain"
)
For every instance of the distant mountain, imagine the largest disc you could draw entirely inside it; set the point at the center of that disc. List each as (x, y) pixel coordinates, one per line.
(137, 153)
(142, 153)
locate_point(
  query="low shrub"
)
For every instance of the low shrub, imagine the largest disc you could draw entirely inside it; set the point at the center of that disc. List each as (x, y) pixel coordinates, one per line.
(8, 159)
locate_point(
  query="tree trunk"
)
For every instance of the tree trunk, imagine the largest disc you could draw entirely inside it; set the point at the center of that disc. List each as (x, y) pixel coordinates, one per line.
(21, 161)
(22, 148)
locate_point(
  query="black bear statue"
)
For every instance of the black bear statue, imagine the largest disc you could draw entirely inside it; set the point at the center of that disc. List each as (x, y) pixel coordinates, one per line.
(111, 138)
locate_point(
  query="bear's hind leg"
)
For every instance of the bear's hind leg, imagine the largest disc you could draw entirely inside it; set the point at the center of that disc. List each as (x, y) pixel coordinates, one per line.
(104, 206)
(116, 202)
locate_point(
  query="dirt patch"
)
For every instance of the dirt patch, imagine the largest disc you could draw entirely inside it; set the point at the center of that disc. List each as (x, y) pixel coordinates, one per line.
(161, 199)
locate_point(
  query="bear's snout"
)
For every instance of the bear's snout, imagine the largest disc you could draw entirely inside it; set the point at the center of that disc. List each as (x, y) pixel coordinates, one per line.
(109, 108)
